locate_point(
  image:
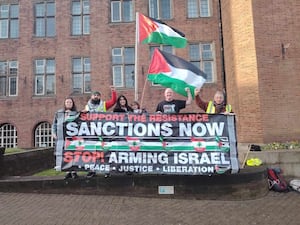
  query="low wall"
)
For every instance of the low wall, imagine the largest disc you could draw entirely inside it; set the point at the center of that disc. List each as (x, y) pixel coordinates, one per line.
(287, 160)
(250, 183)
(26, 163)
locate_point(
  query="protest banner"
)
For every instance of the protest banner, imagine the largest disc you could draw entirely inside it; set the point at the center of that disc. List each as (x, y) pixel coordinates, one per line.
(181, 144)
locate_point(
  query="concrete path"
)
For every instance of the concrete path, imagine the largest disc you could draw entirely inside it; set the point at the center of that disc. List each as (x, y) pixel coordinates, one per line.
(61, 209)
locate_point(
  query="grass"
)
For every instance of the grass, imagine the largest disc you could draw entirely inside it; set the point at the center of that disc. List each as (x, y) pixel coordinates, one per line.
(13, 150)
(53, 172)
(50, 172)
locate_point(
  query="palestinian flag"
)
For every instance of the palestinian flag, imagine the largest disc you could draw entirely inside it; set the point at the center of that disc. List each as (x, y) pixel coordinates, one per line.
(155, 31)
(175, 73)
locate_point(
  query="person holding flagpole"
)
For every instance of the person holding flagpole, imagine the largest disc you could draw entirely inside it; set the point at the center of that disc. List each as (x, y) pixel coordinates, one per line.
(215, 106)
(171, 105)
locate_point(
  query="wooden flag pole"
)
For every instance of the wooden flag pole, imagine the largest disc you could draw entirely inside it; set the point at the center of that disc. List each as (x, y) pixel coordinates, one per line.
(245, 159)
(143, 93)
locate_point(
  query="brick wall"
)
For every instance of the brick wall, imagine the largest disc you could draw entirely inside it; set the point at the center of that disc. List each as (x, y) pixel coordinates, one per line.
(26, 111)
(256, 73)
(26, 163)
(262, 84)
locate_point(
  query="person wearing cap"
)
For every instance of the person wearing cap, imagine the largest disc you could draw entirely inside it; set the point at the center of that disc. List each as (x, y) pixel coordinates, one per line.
(96, 104)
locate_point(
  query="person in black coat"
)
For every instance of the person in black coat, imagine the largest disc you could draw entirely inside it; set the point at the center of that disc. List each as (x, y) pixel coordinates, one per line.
(122, 105)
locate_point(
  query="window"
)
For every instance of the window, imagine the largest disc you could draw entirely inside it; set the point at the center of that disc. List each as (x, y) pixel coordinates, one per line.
(121, 11)
(123, 67)
(8, 136)
(81, 73)
(9, 21)
(44, 76)
(165, 48)
(198, 8)
(80, 17)
(8, 78)
(201, 55)
(160, 9)
(45, 19)
(43, 135)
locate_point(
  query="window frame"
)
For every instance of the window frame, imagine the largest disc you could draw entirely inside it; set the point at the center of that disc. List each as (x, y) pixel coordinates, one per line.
(119, 61)
(44, 76)
(10, 140)
(9, 21)
(199, 9)
(201, 61)
(122, 11)
(84, 74)
(82, 18)
(43, 135)
(45, 19)
(157, 11)
(10, 72)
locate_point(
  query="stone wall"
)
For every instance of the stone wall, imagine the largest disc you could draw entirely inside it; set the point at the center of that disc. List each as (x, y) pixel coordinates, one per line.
(287, 160)
(26, 163)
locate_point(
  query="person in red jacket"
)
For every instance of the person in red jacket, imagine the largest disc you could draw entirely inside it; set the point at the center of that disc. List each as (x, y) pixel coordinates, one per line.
(96, 104)
(215, 106)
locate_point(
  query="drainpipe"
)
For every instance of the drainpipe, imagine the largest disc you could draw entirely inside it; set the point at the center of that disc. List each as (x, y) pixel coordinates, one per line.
(223, 73)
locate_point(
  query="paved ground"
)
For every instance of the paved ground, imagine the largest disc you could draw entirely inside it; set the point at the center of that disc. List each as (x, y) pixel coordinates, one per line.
(46, 209)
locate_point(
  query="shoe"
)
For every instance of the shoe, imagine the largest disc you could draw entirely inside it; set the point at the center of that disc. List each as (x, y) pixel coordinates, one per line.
(91, 174)
(74, 175)
(68, 175)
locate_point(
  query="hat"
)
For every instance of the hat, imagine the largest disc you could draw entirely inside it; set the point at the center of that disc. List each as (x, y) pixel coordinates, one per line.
(96, 93)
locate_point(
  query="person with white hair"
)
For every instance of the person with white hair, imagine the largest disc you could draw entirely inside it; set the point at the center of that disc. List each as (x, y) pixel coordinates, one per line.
(171, 105)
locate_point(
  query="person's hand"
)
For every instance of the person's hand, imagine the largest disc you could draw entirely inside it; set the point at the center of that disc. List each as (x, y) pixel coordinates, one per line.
(197, 91)
(112, 88)
(187, 89)
(54, 136)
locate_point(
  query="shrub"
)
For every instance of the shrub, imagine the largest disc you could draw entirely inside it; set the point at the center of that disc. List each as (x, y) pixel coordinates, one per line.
(278, 145)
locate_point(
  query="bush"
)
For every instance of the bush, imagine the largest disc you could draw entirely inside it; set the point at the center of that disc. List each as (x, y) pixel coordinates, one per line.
(278, 145)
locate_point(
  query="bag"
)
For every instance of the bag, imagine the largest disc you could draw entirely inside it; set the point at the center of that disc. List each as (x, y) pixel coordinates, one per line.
(295, 185)
(276, 181)
(254, 162)
(255, 148)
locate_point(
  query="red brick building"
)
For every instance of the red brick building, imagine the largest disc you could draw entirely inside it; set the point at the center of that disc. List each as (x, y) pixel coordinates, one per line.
(52, 49)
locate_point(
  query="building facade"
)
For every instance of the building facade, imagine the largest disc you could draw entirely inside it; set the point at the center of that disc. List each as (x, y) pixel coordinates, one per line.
(53, 49)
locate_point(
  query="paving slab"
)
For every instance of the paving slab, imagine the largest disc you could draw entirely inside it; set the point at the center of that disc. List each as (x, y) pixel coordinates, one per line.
(64, 209)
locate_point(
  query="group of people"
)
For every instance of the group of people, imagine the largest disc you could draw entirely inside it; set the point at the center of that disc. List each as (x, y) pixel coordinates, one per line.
(169, 105)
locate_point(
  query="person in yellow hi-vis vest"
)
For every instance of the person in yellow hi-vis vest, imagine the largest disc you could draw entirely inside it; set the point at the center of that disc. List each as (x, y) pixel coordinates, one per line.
(215, 106)
(96, 104)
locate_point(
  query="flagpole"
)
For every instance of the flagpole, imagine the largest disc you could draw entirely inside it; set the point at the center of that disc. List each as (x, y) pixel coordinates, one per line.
(136, 97)
(143, 93)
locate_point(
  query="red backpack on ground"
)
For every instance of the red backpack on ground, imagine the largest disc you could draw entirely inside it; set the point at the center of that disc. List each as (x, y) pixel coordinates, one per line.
(276, 180)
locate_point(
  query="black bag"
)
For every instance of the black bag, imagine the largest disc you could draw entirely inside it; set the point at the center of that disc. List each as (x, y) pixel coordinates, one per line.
(255, 148)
